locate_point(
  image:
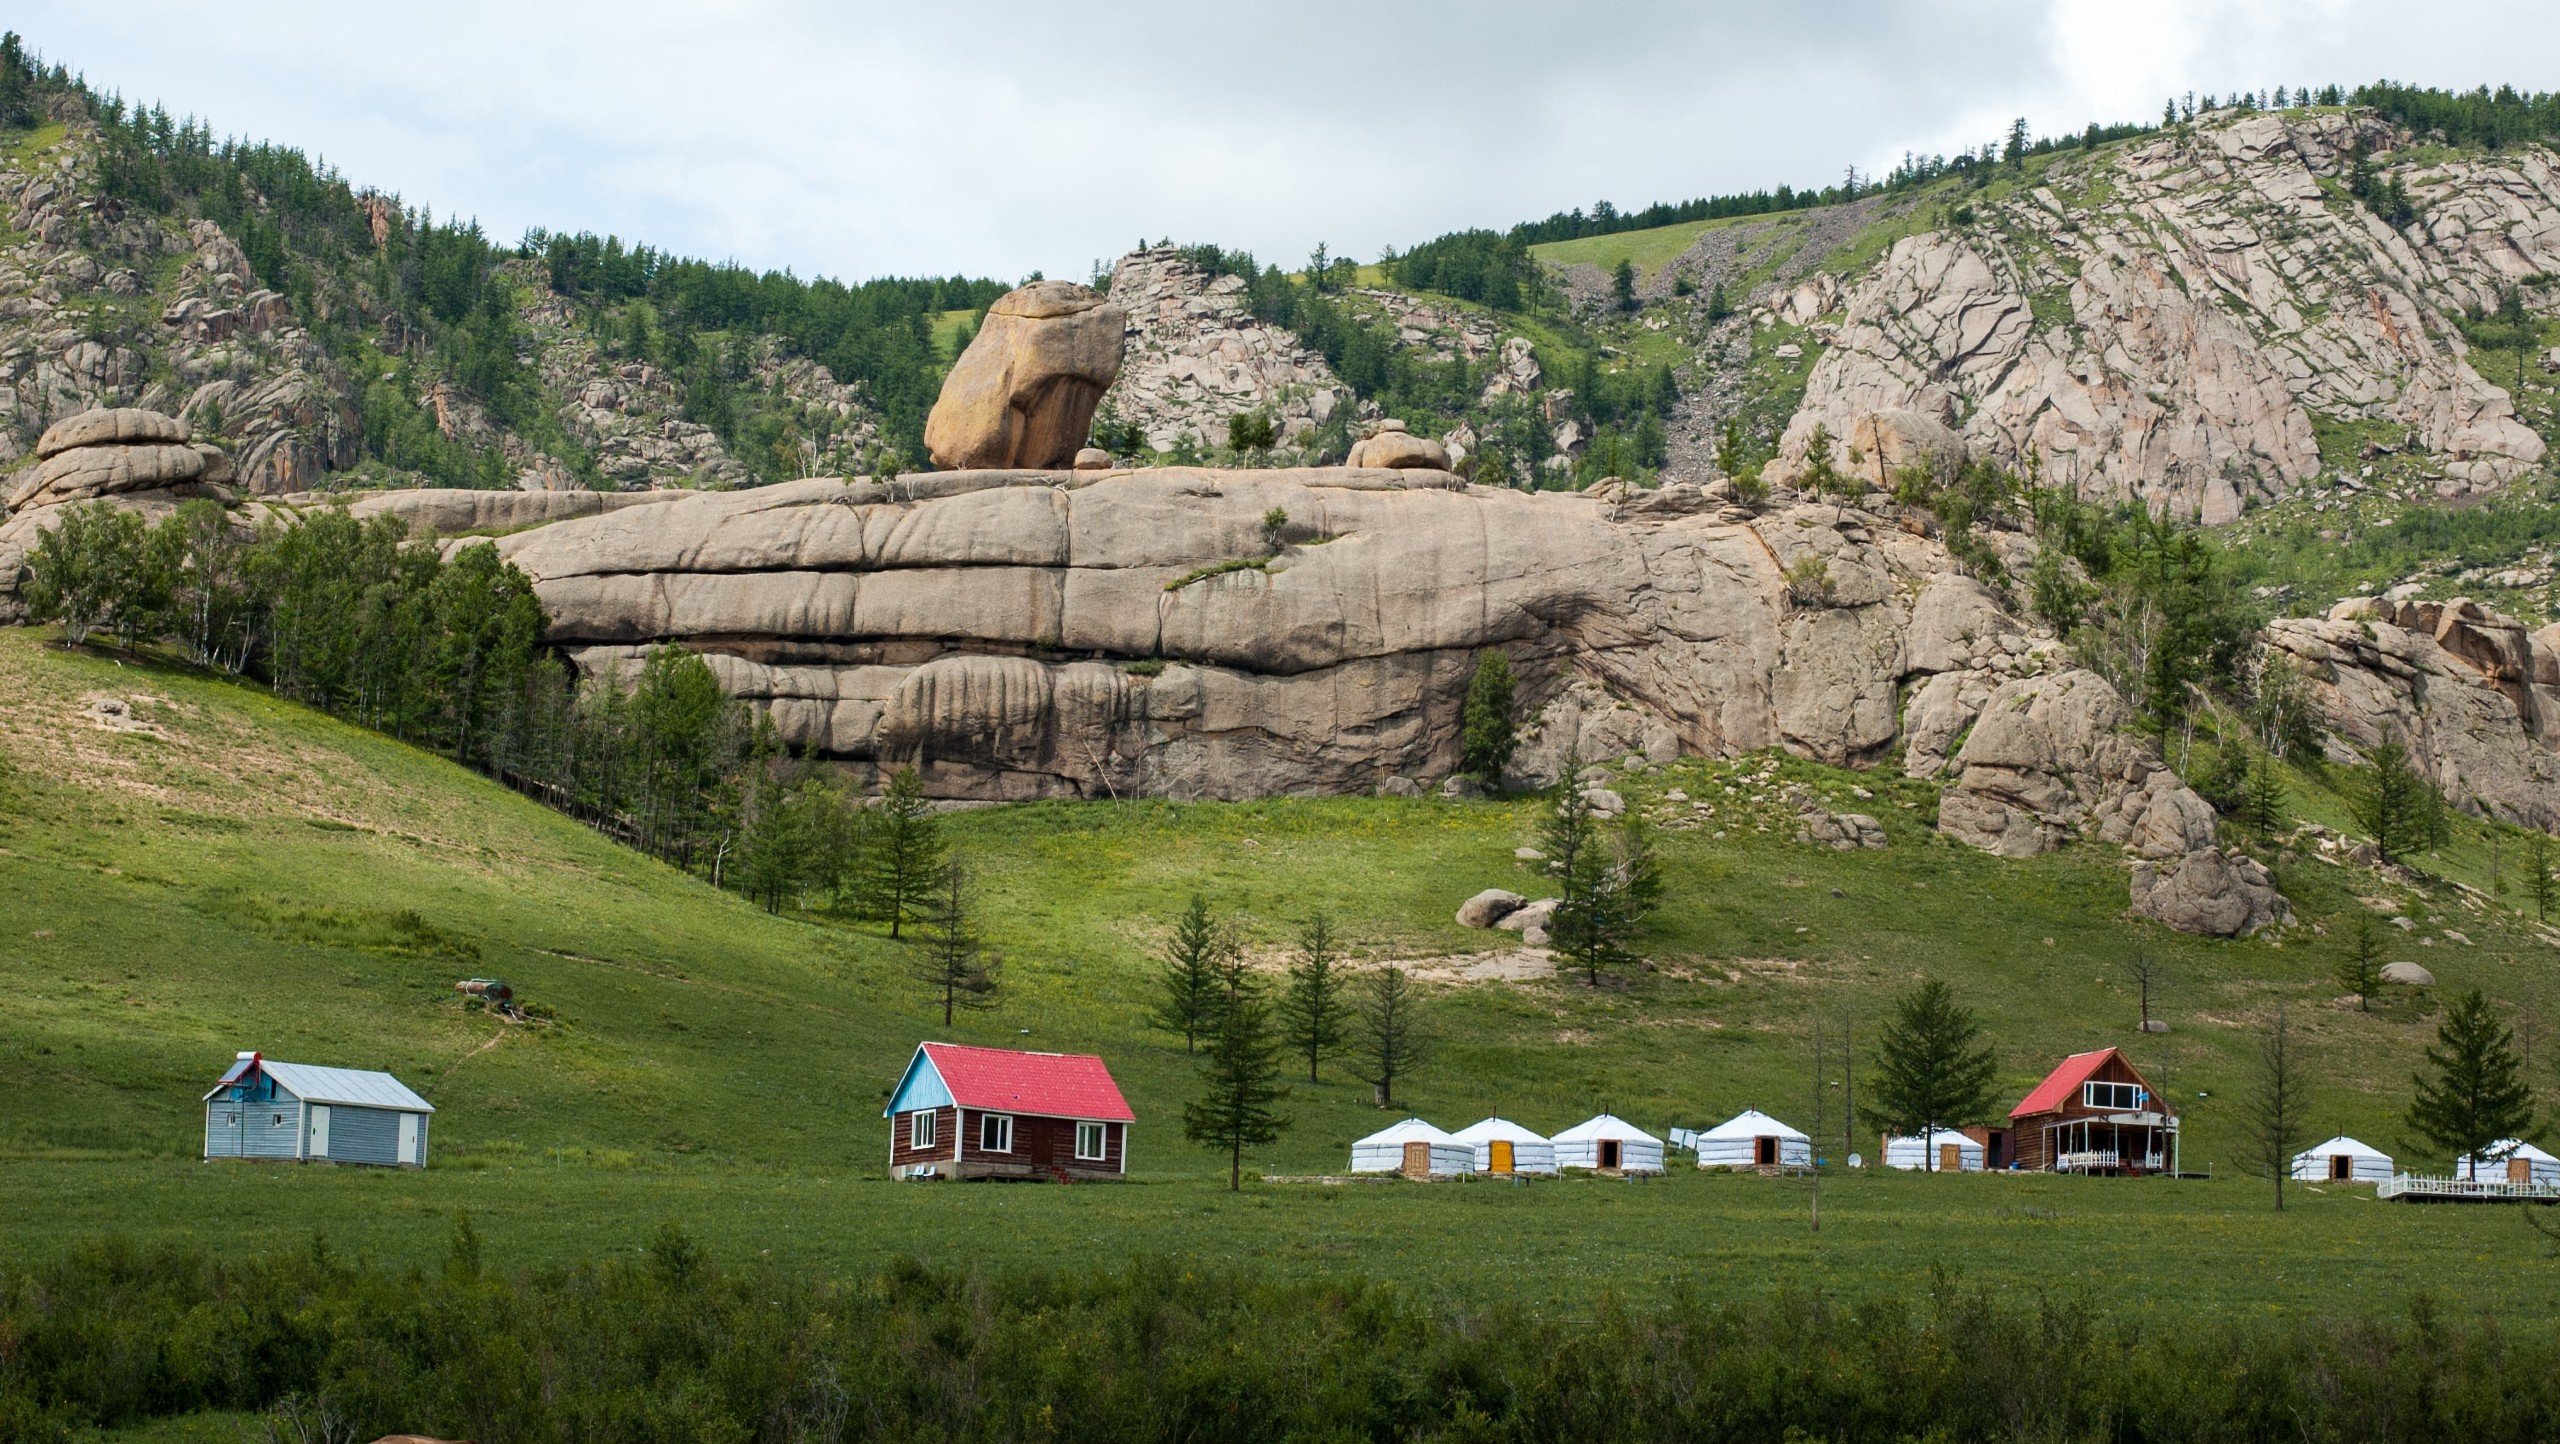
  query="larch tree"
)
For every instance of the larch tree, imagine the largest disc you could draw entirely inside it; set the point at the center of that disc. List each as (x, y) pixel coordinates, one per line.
(1487, 731)
(1239, 1075)
(2360, 967)
(1191, 983)
(1931, 1070)
(954, 962)
(904, 863)
(2473, 1092)
(1391, 1039)
(2276, 1104)
(1313, 1012)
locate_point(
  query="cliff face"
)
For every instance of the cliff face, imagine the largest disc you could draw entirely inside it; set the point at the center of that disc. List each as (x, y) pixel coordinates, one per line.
(2168, 321)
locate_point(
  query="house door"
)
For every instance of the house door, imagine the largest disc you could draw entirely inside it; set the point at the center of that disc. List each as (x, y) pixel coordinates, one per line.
(409, 1138)
(319, 1113)
(1609, 1152)
(1501, 1155)
(1951, 1158)
(1764, 1152)
(2341, 1168)
(2519, 1170)
(1417, 1160)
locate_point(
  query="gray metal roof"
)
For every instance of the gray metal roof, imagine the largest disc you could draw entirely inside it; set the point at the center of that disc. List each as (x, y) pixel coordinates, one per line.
(353, 1086)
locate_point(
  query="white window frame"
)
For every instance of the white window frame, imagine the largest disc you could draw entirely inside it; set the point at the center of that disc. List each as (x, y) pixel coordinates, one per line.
(921, 1129)
(1002, 1124)
(2131, 1094)
(1101, 1143)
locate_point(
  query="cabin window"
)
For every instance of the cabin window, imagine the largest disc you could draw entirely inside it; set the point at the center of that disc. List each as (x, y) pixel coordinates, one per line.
(276, 1122)
(2115, 1097)
(920, 1130)
(1092, 1142)
(995, 1133)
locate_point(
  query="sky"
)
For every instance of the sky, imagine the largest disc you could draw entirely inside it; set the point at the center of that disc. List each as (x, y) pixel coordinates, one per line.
(853, 139)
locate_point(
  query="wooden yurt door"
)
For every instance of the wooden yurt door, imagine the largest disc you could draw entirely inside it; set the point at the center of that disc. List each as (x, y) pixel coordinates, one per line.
(1764, 1152)
(1951, 1158)
(2519, 1170)
(1609, 1153)
(2341, 1167)
(1417, 1160)
(1500, 1152)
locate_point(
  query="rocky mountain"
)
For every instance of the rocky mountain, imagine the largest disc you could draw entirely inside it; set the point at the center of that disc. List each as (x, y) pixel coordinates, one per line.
(2172, 321)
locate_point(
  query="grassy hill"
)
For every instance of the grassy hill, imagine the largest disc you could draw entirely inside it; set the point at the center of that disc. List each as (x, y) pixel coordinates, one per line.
(255, 875)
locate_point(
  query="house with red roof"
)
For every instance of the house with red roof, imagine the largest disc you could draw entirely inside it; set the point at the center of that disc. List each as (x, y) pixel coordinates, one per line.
(964, 1112)
(2094, 1114)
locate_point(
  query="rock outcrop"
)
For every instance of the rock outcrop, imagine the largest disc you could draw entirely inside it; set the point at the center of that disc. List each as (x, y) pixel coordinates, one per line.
(2472, 694)
(137, 459)
(1024, 393)
(1198, 358)
(2165, 324)
(2219, 893)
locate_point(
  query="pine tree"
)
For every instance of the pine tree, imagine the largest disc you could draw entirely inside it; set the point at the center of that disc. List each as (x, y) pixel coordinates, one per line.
(1622, 285)
(1930, 1073)
(1312, 1011)
(1391, 1041)
(1486, 728)
(1239, 1075)
(905, 860)
(954, 962)
(2396, 804)
(2276, 1103)
(1188, 989)
(2474, 1093)
(2360, 971)
(2262, 795)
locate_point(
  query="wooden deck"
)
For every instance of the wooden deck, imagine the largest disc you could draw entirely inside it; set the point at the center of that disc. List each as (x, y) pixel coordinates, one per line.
(2410, 1188)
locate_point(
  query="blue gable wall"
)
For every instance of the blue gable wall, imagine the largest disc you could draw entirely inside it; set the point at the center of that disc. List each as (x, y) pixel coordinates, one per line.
(921, 1087)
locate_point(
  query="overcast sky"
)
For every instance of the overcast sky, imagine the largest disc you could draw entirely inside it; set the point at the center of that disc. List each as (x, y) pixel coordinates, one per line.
(855, 139)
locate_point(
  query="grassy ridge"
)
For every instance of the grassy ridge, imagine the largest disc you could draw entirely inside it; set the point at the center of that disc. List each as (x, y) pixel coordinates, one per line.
(261, 876)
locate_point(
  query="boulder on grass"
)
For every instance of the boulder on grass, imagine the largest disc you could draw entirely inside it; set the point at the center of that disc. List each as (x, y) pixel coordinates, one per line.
(2408, 974)
(1488, 908)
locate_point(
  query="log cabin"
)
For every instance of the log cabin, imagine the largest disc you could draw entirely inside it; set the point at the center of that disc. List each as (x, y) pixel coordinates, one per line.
(966, 1112)
(2094, 1114)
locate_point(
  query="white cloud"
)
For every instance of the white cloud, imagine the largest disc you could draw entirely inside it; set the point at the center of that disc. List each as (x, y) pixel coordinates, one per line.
(995, 138)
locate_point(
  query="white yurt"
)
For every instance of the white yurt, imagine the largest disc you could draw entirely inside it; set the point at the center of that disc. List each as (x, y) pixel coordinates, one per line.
(1919, 1154)
(1610, 1144)
(1412, 1147)
(2342, 1160)
(1753, 1139)
(1502, 1146)
(2509, 1160)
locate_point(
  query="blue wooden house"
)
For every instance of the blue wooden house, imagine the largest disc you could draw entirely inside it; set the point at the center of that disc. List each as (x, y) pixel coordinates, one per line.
(299, 1113)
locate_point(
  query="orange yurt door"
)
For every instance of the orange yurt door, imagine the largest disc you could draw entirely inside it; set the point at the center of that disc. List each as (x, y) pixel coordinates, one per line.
(1417, 1160)
(1501, 1155)
(2519, 1170)
(1951, 1158)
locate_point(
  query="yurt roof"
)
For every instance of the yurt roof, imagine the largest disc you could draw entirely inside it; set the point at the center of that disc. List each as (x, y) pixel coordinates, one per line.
(1498, 1129)
(1607, 1125)
(2506, 1148)
(1935, 1137)
(2343, 1144)
(1411, 1130)
(1752, 1123)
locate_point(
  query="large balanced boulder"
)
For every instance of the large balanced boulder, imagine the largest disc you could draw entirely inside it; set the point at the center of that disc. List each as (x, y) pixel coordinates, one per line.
(108, 453)
(1024, 393)
(2218, 893)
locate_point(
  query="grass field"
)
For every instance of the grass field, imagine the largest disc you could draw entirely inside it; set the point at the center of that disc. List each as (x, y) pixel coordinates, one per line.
(263, 877)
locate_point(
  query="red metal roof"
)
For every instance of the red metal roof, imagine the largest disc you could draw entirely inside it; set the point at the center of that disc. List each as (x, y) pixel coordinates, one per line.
(1050, 1085)
(2057, 1085)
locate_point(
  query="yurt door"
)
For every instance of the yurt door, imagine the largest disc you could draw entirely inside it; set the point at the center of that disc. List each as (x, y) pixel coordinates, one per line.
(1500, 1153)
(1417, 1160)
(1951, 1158)
(1609, 1152)
(2341, 1167)
(2519, 1169)
(1764, 1152)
